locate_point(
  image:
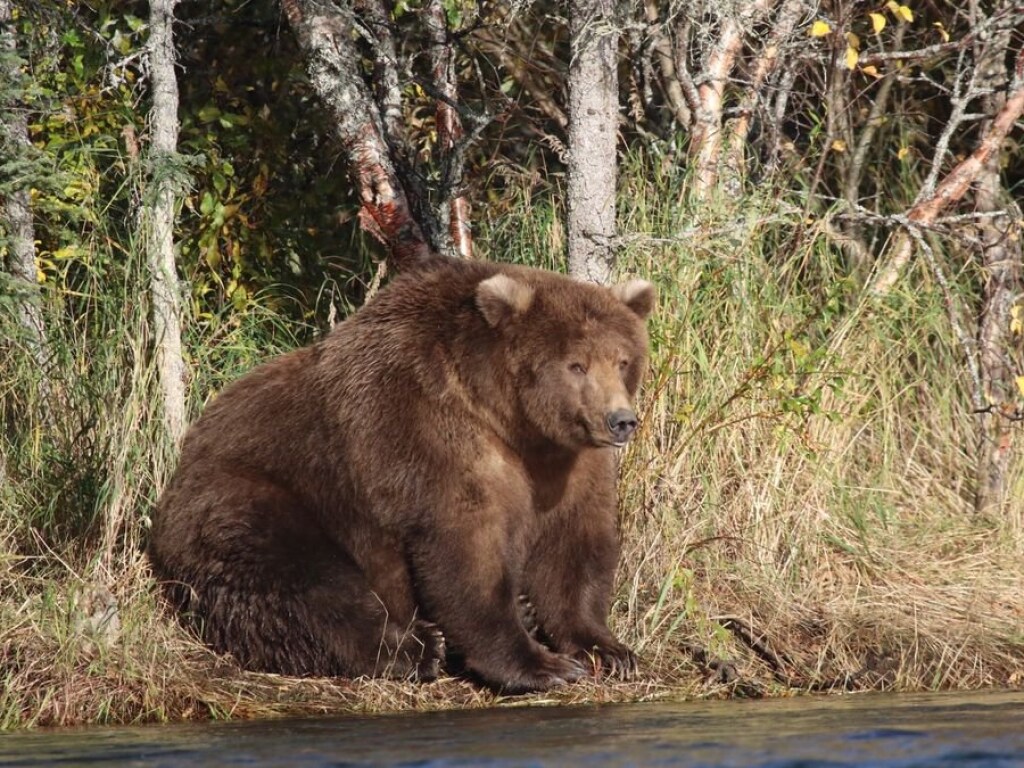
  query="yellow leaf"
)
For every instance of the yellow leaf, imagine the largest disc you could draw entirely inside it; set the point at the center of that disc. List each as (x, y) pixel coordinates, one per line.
(820, 28)
(1016, 322)
(40, 275)
(851, 58)
(853, 40)
(877, 22)
(1020, 384)
(870, 69)
(906, 13)
(893, 7)
(904, 151)
(942, 31)
(839, 145)
(67, 252)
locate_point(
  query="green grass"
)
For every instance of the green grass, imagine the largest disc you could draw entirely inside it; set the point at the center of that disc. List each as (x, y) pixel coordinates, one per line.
(796, 510)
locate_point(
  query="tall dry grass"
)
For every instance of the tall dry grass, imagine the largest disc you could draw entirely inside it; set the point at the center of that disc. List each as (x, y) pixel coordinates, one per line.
(799, 506)
(796, 510)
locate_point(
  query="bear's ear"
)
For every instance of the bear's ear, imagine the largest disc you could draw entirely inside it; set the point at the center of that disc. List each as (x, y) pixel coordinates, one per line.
(638, 295)
(501, 297)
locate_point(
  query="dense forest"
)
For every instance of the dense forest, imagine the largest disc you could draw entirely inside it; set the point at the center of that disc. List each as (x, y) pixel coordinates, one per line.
(826, 490)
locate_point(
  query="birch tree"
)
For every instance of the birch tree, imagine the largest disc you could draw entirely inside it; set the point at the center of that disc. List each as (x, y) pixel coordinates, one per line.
(158, 217)
(453, 210)
(15, 174)
(413, 212)
(592, 132)
(709, 56)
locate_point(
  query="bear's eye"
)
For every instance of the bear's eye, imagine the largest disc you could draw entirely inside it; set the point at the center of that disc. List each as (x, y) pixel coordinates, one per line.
(623, 365)
(578, 368)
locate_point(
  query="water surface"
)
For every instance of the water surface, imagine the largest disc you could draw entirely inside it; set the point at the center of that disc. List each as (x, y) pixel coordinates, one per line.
(982, 729)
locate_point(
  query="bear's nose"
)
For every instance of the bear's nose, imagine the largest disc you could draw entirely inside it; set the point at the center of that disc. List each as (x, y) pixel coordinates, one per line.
(622, 424)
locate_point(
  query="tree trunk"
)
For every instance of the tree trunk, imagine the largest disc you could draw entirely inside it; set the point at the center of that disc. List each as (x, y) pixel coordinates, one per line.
(1001, 261)
(324, 33)
(454, 209)
(706, 140)
(158, 219)
(593, 130)
(17, 212)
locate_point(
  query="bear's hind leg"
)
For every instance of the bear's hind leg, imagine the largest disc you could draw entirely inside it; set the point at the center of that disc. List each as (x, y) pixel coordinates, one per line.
(265, 582)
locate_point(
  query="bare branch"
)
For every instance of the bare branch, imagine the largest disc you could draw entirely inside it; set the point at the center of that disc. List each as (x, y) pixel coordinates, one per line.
(955, 184)
(879, 107)
(670, 81)
(529, 72)
(767, 61)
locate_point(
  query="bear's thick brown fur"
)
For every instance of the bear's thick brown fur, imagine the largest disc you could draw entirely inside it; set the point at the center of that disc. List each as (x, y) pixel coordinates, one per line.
(352, 507)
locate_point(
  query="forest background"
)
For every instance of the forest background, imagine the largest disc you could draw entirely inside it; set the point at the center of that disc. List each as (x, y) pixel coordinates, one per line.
(826, 491)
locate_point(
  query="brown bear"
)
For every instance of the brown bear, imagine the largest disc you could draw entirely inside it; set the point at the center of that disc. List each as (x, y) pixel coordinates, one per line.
(361, 505)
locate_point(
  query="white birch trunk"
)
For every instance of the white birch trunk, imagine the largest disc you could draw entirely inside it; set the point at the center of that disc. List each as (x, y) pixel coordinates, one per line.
(158, 218)
(593, 130)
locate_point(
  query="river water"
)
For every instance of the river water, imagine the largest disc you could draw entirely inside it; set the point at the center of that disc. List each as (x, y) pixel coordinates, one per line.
(981, 729)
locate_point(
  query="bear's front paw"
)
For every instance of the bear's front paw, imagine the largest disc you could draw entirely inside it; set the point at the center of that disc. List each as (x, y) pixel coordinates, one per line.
(420, 654)
(541, 671)
(433, 650)
(609, 659)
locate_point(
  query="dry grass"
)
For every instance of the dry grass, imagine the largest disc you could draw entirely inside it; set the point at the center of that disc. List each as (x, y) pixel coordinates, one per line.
(60, 667)
(796, 509)
(800, 502)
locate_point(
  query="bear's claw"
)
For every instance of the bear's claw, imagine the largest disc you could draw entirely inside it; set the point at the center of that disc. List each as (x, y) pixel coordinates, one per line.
(420, 653)
(618, 661)
(528, 616)
(434, 649)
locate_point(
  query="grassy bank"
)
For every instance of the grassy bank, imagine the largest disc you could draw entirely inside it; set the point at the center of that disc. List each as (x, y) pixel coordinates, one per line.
(797, 509)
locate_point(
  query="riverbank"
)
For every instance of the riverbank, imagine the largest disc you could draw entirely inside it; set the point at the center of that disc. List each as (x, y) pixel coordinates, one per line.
(797, 508)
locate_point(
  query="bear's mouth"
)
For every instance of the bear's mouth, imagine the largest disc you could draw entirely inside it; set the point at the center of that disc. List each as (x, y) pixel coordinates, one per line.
(599, 438)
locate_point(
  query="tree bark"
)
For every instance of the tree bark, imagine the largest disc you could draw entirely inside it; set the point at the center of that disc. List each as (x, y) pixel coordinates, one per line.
(778, 38)
(17, 211)
(158, 218)
(1001, 262)
(593, 132)
(706, 140)
(454, 211)
(324, 33)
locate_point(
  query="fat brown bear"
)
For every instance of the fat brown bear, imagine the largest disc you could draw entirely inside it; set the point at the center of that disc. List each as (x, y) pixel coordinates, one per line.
(390, 495)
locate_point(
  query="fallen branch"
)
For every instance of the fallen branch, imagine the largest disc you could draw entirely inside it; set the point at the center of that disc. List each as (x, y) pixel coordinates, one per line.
(780, 663)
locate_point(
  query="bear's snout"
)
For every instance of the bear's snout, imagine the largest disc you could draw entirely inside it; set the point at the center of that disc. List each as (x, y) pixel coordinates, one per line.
(622, 424)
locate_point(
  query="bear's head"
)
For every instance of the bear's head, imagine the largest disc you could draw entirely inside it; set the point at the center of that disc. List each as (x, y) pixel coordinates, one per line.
(575, 353)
